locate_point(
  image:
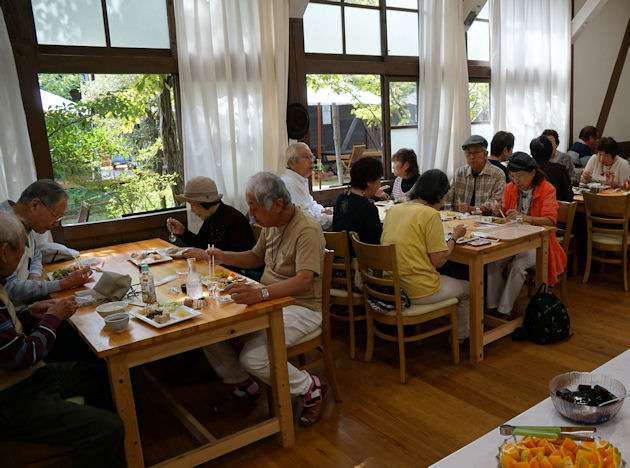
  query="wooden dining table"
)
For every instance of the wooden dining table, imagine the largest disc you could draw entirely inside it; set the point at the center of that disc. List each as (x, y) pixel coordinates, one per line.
(609, 192)
(485, 329)
(141, 343)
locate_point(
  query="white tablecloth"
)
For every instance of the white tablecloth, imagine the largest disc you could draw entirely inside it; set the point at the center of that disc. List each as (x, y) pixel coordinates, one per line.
(482, 452)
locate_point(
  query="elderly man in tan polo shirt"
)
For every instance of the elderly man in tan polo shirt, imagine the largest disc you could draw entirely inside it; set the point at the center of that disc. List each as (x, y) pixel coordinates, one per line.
(291, 248)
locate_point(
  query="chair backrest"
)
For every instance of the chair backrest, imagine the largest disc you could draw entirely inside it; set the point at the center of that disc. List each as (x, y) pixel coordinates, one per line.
(357, 153)
(326, 279)
(566, 214)
(256, 229)
(609, 213)
(378, 266)
(338, 241)
(84, 213)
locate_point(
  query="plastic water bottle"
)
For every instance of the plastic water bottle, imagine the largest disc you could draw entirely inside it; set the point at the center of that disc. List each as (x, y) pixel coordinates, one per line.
(147, 285)
(193, 281)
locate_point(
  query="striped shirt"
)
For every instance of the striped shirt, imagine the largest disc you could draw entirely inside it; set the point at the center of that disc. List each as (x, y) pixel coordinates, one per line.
(22, 348)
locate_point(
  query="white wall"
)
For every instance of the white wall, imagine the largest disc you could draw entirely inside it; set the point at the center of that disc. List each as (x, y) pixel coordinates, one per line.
(594, 56)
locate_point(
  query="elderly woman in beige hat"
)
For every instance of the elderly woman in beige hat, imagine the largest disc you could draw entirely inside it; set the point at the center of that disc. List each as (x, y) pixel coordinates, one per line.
(223, 226)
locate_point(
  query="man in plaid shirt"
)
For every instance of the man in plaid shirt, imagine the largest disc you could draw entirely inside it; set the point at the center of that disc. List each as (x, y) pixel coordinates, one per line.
(478, 184)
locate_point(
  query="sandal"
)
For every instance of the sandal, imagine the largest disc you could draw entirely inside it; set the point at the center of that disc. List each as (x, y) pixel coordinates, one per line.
(313, 403)
(240, 394)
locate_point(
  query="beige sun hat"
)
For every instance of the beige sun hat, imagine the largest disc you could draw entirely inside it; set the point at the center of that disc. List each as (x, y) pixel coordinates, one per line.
(200, 189)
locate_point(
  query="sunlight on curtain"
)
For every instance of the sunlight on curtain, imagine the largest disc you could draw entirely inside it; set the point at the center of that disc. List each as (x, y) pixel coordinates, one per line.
(444, 120)
(531, 60)
(233, 69)
(16, 158)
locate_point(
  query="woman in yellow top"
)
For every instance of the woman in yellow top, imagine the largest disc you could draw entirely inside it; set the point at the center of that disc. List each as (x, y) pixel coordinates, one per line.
(416, 230)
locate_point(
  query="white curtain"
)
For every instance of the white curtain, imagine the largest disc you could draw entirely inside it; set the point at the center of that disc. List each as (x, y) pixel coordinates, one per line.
(233, 68)
(531, 54)
(16, 158)
(444, 122)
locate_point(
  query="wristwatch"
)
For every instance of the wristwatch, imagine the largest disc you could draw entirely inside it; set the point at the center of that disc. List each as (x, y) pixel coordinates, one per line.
(451, 239)
(265, 293)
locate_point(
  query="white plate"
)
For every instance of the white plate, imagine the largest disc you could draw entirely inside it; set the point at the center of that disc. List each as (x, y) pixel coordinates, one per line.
(205, 279)
(174, 318)
(461, 240)
(174, 252)
(150, 261)
(83, 263)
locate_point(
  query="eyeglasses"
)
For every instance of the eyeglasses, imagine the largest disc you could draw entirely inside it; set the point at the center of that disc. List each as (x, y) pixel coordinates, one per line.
(473, 153)
(516, 176)
(58, 217)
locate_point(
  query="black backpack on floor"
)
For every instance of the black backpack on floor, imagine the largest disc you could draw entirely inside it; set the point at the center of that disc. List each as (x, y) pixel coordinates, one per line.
(546, 319)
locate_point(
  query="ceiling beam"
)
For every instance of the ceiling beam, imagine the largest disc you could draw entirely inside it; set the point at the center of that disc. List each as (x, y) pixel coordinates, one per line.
(582, 17)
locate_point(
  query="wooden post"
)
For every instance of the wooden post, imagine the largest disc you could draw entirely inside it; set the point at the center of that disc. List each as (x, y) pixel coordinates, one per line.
(335, 122)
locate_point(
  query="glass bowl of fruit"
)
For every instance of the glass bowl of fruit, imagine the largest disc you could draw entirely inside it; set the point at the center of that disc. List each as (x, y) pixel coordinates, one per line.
(585, 397)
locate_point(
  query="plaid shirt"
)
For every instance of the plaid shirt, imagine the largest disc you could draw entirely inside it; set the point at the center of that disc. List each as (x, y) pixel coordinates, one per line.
(490, 186)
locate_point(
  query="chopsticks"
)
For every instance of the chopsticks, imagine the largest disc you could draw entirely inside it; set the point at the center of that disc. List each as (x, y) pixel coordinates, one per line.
(502, 213)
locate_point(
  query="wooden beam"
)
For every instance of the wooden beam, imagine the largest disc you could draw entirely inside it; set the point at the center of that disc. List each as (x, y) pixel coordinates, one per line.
(582, 17)
(614, 81)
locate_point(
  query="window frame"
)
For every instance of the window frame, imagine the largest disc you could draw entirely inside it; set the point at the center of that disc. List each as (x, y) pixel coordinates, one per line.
(389, 67)
(31, 59)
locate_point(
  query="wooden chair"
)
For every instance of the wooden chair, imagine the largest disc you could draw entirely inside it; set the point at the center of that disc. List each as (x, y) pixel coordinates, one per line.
(357, 152)
(256, 229)
(607, 231)
(84, 213)
(341, 290)
(320, 339)
(568, 241)
(373, 261)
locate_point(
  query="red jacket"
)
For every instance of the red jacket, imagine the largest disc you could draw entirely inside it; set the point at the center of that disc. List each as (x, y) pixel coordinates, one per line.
(544, 204)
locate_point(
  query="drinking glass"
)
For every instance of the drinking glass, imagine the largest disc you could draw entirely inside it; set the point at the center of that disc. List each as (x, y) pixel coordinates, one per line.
(447, 207)
(519, 221)
(213, 289)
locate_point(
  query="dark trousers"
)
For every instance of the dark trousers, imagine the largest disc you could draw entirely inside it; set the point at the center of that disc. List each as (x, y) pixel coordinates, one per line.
(34, 410)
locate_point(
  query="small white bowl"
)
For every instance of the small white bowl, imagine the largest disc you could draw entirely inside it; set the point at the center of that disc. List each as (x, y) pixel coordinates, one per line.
(110, 308)
(117, 322)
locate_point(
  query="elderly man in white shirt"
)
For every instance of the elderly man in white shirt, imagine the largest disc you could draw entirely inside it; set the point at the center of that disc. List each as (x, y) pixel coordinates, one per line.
(299, 169)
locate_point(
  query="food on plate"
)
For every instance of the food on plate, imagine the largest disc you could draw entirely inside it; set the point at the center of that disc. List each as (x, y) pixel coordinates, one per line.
(64, 272)
(494, 220)
(449, 213)
(161, 313)
(181, 312)
(532, 452)
(234, 278)
(147, 256)
(175, 251)
(468, 236)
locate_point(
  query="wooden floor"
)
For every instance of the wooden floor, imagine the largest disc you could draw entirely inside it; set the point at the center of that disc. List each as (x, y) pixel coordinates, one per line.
(442, 408)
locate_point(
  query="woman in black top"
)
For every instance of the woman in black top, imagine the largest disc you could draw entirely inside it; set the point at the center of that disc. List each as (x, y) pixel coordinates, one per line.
(223, 226)
(542, 149)
(353, 209)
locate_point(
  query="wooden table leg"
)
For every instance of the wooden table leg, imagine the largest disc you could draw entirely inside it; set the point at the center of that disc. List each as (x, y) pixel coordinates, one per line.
(122, 393)
(475, 277)
(542, 259)
(280, 378)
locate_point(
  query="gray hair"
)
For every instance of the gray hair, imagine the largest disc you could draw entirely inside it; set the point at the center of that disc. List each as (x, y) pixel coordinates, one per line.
(292, 151)
(48, 191)
(11, 230)
(267, 187)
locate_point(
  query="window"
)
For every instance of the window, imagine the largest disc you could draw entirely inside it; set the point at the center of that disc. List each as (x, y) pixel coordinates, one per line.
(478, 37)
(106, 125)
(353, 27)
(479, 94)
(403, 115)
(344, 109)
(105, 146)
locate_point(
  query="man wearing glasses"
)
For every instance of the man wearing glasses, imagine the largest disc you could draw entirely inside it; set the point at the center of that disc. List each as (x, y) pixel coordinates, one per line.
(478, 184)
(299, 169)
(40, 208)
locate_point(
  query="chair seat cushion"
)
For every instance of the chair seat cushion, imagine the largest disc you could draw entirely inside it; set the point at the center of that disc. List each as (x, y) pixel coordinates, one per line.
(314, 334)
(420, 309)
(334, 292)
(608, 239)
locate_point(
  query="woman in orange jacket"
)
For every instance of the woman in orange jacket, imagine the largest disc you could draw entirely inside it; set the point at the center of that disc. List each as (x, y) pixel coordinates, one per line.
(529, 197)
